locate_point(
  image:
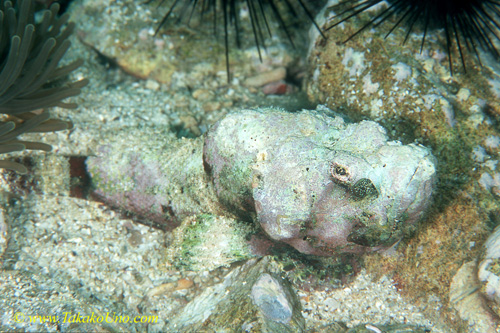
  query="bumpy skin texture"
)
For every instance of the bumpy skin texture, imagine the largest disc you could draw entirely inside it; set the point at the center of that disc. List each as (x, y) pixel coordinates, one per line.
(317, 183)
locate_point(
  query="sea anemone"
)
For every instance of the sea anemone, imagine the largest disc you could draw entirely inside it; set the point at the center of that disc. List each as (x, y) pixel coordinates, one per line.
(284, 12)
(470, 23)
(30, 51)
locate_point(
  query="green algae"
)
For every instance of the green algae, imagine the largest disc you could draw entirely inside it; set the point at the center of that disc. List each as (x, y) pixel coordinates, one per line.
(206, 242)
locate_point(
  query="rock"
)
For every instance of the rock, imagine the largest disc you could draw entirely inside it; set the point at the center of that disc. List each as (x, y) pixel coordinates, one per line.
(383, 80)
(177, 49)
(168, 288)
(278, 88)
(203, 94)
(272, 307)
(269, 296)
(489, 269)
(316, 182)
(468, 301)
(262, 79)
(152, 85)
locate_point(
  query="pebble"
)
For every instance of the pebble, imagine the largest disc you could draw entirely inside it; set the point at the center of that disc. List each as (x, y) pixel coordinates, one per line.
(277, 88)
(203, 94)
(269, 296)
(152, 85)
(169, 287)
(262, 79)
(468, 301)
(488, 268)
(191, 124)
(184, 284)
(212, 106)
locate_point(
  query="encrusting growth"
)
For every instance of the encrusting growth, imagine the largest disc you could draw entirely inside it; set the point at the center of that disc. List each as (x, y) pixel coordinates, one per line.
(469, 24)
(260, 12)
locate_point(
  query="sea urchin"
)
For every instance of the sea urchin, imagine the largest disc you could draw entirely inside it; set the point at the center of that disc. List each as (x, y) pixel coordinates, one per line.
(470, 24)
(260, 12)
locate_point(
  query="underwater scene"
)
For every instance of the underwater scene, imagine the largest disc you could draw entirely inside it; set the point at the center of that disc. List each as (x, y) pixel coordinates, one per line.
(249, 166)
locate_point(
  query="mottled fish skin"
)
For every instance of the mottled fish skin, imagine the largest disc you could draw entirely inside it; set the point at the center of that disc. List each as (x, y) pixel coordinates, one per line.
(318, 183)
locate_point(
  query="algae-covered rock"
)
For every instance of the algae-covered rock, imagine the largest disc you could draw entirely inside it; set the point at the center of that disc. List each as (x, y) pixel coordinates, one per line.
(250, 299)
(316, 182)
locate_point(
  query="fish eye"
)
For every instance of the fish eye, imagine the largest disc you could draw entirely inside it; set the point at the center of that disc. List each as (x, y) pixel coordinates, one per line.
(340, 172)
